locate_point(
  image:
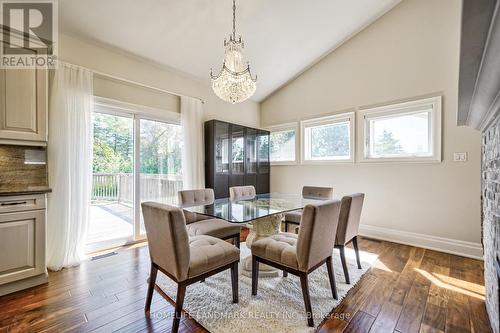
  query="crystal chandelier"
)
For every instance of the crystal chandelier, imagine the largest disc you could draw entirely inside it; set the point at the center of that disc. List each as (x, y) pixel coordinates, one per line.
(234, 83)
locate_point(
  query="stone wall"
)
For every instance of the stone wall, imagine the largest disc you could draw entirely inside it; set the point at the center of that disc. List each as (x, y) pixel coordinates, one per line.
(491, 218)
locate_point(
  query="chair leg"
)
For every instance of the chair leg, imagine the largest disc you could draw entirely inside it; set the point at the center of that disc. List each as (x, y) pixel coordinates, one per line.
(255, 275)
(151, 287)
(285, 273)
(236, 241)
(356, 249)
(331, 275)
(307, 299)
(344, 264)
(286, 226)
(234, 281)
(179, 301)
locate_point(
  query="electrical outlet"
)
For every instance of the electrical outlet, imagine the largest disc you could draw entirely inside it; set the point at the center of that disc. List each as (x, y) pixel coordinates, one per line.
(459, 157)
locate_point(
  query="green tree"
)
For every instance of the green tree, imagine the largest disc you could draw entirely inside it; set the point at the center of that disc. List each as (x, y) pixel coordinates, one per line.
(113, 149)
(161, 148)
(280, 140)
(113, 144)
(332, 140)
(386, 144)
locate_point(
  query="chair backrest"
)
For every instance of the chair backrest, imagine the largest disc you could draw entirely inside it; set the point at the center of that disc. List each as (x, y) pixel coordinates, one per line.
(350, 213)
(241, 192)
(167, 238)
(317, 233)
(316, 192)
(203, 196)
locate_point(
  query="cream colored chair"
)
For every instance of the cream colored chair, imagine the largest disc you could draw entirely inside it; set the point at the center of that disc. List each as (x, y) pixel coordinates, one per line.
(198, 224)
(184, 259)
(308, 192)
(241, 192)
(347, 230)
(302, 254)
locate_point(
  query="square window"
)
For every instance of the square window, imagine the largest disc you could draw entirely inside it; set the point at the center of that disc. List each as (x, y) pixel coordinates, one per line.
(283, 145)
(328, 139)
(403, 132)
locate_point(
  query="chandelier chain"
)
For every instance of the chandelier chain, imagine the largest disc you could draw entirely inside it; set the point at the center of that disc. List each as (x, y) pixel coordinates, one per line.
(234, 19)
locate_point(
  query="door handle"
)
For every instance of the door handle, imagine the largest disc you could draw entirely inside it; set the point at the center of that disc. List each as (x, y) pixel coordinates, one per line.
(13, 203)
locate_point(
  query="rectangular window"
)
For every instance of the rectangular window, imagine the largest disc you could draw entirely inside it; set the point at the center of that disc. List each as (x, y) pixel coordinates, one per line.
(408, 131)
(328, 139)
(283, 149)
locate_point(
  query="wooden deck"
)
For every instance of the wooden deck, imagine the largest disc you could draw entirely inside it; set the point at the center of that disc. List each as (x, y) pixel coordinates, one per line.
(110, 221)
(409, 290)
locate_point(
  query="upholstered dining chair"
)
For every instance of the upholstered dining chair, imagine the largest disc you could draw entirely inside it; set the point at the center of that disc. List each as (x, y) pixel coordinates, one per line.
(311, 192)
(241, 192)
(183, 259)
(198, 224)
(347, 230)
(301, 254)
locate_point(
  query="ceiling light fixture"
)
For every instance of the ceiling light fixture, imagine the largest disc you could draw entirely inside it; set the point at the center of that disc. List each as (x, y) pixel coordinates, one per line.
(234, 83)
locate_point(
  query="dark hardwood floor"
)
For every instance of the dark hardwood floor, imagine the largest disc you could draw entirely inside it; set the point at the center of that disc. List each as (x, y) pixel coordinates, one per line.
(409, 290)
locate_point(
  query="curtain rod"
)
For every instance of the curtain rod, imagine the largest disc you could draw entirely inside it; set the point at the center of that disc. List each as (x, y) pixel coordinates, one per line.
(118, 78)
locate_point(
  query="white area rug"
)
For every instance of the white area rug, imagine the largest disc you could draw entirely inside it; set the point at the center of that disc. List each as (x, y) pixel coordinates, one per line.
(278, 306)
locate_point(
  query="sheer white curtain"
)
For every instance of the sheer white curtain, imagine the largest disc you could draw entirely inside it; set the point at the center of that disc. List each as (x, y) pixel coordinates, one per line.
(193, 171)
(69, 164)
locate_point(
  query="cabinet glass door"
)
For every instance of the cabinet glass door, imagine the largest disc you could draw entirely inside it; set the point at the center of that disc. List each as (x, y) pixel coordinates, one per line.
(251, 152)
(263, 163)
(251, 157)
(237, 150)
(221, 147)
(263, 153)
(237, 167)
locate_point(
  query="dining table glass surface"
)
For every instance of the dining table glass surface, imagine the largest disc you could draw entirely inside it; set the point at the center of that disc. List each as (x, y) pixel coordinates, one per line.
(249, 209)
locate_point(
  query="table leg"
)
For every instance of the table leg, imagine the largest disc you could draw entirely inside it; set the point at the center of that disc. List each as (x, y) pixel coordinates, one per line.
(262, 228)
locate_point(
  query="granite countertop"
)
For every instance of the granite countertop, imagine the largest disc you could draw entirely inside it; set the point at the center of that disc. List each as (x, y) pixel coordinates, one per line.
(20, 190)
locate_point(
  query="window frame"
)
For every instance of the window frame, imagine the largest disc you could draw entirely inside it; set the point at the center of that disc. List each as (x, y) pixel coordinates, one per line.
(414, 106)
(113, 106)
(286, 127)
(327, 120)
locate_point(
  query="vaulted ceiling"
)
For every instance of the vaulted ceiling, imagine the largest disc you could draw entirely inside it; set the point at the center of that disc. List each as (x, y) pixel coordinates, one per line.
(282, 37)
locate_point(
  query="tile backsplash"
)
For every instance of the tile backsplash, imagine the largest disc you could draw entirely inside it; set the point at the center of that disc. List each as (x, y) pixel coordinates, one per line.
(22, 166)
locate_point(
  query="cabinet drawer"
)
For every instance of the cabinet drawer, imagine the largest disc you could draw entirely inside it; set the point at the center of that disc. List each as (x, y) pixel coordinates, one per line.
(19, 203)
(22, 244)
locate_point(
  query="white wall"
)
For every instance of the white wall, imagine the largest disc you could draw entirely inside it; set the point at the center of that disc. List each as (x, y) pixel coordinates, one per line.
(411, 51)
(115, 62)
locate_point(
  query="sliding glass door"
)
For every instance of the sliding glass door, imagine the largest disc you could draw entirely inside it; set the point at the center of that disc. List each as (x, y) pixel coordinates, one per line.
(160, 163)
(112, 198)
(135, 159)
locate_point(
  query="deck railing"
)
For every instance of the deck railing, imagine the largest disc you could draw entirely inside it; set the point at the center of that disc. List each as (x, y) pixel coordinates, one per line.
(120, 187)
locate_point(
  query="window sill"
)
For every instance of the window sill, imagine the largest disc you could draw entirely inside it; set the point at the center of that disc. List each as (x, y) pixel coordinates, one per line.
(430, 160)
(284, 163)
(326, 162)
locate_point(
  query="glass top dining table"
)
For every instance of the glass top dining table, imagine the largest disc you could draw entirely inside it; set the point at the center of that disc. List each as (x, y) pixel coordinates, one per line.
(247, 210)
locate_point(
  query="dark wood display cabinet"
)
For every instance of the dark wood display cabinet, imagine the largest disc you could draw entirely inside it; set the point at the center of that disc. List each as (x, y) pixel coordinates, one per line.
(235, 155)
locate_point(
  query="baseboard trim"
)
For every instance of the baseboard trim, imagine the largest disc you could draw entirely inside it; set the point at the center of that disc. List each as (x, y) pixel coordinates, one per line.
(23, 284)
(447, 245)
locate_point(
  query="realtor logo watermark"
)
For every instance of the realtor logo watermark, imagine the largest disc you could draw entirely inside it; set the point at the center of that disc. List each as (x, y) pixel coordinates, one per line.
(29, 34)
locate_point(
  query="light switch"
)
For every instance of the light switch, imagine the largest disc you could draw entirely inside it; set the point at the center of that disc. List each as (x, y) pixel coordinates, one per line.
(459, 157)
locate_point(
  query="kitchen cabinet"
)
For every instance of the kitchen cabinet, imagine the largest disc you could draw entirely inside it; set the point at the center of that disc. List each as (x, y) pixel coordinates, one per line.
(23, 106)
(22, 242)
